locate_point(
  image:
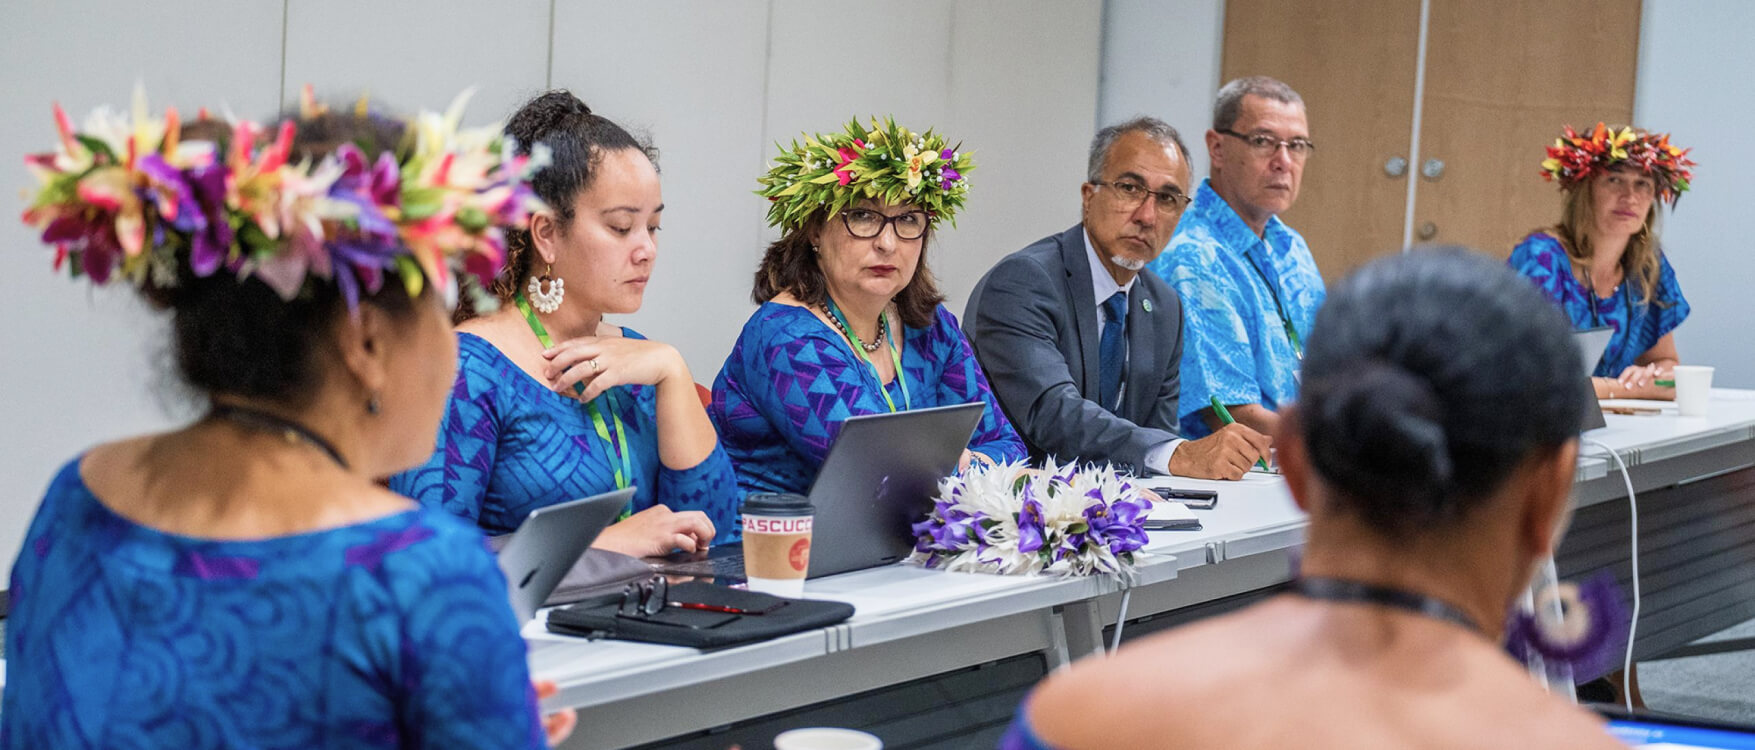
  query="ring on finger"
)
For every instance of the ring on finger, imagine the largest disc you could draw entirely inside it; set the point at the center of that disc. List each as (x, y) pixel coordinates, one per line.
(594, 366)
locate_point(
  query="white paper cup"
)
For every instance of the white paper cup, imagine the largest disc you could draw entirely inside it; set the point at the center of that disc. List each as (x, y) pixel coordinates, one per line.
(1693, 389)
(825, 738)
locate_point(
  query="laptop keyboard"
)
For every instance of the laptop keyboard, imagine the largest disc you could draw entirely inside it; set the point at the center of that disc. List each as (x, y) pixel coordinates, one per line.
(730, 566)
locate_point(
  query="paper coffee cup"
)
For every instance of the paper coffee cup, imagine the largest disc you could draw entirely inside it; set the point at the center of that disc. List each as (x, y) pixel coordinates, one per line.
(776, 543)
(825, 738)
(1693, 389)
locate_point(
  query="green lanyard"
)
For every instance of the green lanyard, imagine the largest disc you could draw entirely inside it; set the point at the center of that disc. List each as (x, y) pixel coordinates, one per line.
(1285, 320)
(619, 444)
(895, 355)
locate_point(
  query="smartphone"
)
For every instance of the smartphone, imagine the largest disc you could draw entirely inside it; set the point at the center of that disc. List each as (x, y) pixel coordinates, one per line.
(1196, 499)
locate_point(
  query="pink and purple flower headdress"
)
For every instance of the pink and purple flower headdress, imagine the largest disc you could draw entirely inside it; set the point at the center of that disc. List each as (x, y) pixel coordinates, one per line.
(129, 197)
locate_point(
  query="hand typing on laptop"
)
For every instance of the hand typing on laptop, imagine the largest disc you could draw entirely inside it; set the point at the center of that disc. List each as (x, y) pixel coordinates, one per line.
(656, 531)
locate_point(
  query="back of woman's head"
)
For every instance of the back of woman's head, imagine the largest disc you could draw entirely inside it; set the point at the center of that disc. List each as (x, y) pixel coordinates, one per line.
(236, 335)
(576, 140)
(1429, 380)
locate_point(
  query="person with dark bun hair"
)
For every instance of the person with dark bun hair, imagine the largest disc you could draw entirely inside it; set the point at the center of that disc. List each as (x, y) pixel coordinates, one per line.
(244, 581)
(851, 321)
(552, 402)
(1433, 446)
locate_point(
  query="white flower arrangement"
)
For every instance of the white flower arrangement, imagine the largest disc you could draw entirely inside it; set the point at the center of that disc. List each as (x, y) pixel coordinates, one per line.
(1011, 519)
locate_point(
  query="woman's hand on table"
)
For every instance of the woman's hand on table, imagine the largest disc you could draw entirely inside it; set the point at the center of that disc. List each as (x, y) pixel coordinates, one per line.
(656, 531)
(1640, 382)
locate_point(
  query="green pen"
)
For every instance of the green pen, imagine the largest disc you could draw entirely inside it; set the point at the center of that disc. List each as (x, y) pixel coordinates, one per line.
(1225, 416)
(1664, 383)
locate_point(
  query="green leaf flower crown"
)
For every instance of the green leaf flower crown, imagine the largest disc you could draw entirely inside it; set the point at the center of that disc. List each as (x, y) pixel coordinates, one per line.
(887, 162)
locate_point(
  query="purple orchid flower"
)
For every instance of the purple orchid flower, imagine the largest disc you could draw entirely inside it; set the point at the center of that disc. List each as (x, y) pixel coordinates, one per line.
(208, 247)
(1031, 528)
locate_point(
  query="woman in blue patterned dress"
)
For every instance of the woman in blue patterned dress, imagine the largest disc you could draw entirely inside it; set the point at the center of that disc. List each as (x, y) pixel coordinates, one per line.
(243, 581)
(1602, 264)
(850, 321)
(552, 402)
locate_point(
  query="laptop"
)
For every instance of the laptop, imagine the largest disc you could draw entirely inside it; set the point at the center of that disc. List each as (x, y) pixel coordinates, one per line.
(1656, 730)
(878, 480)
(550, 540)
(1591, 345)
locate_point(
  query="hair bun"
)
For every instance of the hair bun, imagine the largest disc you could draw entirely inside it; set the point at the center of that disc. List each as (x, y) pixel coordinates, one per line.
(1380, 431)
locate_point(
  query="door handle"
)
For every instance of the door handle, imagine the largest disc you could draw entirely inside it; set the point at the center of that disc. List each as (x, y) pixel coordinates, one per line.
(1396, 166)
(1433, 169)
(1428, 230)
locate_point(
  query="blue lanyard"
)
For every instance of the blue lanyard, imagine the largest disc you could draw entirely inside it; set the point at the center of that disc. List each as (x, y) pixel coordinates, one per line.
(895, 355)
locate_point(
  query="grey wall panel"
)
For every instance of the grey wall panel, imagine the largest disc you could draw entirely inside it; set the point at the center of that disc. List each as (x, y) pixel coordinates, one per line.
(690, 76)
(82, 367)
(411, 55)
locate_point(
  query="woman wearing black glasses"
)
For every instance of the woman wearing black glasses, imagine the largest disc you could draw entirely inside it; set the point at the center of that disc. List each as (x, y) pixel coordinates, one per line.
(850, 320)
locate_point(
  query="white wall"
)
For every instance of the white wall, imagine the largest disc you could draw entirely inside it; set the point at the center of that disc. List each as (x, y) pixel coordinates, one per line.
(713, 83)
(1161, 58)
(1694, 58)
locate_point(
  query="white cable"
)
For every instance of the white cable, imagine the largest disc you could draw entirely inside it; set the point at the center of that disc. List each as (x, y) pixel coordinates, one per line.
(1120, 617)
(1633, 531)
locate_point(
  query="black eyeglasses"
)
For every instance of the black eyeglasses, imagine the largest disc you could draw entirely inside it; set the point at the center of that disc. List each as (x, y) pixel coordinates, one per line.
(1129, 195)
(865, 223)
(1265, 145)
(645, 597)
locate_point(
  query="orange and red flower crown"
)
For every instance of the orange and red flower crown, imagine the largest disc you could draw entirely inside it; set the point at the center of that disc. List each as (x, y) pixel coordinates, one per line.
(1574, 158)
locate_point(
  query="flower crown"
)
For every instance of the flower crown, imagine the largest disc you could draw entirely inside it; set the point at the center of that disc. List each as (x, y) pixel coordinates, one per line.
(1574, 158)
(128, 197)
(887, 162)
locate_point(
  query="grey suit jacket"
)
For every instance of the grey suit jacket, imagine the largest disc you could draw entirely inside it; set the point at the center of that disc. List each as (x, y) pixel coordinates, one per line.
(1034, 325)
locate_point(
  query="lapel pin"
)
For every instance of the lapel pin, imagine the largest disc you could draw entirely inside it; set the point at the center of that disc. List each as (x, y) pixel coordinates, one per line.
(1146, 304)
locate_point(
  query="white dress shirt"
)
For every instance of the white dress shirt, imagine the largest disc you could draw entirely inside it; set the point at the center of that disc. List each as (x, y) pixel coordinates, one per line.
(1103, 287)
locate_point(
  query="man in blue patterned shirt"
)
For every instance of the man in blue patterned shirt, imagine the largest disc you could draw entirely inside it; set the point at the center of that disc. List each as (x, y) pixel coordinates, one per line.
(1248, 283)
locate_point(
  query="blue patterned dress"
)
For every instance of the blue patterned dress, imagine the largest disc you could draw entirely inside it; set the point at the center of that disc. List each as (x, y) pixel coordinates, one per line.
(1234, 345)
(392, 633)
(1638, 326)
(509, 444)
(791, 381)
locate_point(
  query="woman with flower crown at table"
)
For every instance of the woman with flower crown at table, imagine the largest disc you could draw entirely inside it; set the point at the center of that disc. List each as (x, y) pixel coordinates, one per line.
(1602, 263)
(850, 321)
(243, 581)
(552, 402)
(1434, 489)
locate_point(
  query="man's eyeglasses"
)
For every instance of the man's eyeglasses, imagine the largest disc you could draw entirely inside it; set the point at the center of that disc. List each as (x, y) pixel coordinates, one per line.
(1129, 195)
(865, 223)
(649, 597)
(1264, 145)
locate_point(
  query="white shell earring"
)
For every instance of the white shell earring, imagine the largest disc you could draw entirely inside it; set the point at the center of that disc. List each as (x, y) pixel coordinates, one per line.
(546, 291)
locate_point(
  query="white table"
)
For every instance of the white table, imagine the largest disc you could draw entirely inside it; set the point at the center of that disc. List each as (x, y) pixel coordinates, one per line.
(913, 623)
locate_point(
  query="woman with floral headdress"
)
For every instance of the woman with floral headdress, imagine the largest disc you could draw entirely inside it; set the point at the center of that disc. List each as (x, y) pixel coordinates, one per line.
(1602, 263)
(850, 321)
(552, 401)
(243, 581)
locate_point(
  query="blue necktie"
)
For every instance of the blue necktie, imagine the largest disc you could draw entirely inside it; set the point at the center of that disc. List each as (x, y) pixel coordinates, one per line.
(1112, 354)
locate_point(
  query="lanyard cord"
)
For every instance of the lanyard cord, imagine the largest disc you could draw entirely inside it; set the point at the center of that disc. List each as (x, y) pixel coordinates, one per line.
(1285, 320)
(619, 444)
(895, 344)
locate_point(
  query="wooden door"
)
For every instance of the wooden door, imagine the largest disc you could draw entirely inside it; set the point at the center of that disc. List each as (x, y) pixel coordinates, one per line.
(1353, 61)
(1502, 78)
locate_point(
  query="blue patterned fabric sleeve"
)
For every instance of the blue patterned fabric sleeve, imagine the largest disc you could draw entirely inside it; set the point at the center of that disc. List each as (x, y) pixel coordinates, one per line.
(464, 672)
(963, 382)
(1669, 308)
(455, 478)
(710, 487)
(393, 632)
(1541, 259)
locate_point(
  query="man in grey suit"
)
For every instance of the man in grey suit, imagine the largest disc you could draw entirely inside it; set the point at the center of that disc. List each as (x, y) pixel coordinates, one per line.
(1080, 347)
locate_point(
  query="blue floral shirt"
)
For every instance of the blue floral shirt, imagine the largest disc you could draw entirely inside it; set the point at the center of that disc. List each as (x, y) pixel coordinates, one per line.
(389, 633)
(1234, 345)
(1637, 325)
(509, 444)
(791, 381)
